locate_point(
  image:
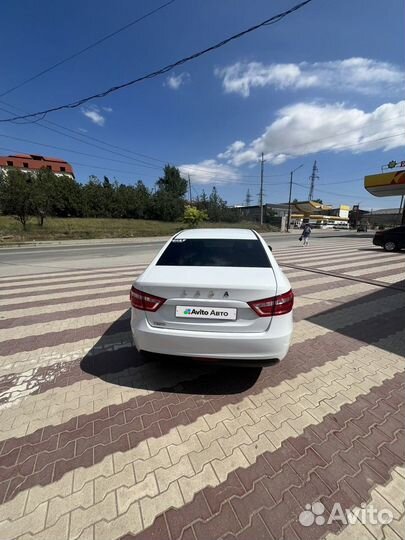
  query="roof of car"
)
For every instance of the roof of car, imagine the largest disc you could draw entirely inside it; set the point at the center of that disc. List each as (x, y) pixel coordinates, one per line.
(234, 234)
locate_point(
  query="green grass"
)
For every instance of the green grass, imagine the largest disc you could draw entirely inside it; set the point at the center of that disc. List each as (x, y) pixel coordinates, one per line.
(11, 230)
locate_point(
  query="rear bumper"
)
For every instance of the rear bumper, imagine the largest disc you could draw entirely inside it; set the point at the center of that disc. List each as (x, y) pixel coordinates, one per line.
(272, 344)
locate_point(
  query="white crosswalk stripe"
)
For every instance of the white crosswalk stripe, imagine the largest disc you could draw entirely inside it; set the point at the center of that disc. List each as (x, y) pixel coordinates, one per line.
(68, 366)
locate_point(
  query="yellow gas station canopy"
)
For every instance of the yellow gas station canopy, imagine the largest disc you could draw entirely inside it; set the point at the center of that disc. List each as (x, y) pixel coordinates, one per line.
(386, 184)
(307, 207)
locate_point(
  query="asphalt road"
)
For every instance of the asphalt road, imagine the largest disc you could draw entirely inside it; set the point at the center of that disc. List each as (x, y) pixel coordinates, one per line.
(90, 255)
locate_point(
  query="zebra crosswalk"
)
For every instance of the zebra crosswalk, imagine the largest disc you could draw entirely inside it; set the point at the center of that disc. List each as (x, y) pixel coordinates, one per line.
(99, 443)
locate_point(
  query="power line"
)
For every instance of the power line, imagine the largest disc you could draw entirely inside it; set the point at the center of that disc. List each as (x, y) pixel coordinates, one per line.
(144, 164)
(81, 134)
(133, 173)
(347, 145)
(212, 174)
(72, 151)
(193, 168)
(76, 136)
(342, 147)
(87, 48)
(328, 192)
(292, 148)
(368, 141)
(74, 104)
(355, 197)
(340, 181)
(130, 173)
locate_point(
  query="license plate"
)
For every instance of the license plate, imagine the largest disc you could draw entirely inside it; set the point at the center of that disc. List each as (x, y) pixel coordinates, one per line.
(202, 312)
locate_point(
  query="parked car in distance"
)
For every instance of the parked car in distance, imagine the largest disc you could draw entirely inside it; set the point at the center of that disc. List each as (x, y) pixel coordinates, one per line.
(390, 239)
(362, 228)
(213, 293)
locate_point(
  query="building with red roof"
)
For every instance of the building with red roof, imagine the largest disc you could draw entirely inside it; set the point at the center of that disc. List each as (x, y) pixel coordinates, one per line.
(33, 162)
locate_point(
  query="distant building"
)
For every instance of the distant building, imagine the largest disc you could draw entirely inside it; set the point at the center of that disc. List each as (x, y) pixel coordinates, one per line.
(252, 212)
(32, 163)
(318, 215)
(389, 217)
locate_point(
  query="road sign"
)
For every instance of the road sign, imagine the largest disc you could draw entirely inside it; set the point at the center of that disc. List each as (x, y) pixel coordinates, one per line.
(392, 164)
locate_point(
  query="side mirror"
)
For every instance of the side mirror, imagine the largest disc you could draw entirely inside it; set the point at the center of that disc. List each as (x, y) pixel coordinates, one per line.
(270, 248)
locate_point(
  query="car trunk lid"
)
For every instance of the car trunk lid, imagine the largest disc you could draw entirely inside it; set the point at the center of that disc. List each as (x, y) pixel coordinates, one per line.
(197, 296)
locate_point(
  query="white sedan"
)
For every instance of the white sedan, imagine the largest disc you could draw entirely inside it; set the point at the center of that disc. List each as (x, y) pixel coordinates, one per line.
(213, 293)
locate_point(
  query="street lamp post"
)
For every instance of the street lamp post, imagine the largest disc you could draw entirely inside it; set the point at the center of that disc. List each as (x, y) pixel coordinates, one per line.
(289, 197)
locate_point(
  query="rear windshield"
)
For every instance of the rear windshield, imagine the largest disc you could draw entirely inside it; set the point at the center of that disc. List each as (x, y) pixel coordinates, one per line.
(215, 252)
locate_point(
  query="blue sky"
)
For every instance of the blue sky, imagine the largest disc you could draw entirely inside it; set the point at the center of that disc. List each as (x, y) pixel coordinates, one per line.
(322, 84)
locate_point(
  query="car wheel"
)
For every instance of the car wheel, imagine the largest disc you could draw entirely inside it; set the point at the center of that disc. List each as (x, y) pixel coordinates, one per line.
(390, 246)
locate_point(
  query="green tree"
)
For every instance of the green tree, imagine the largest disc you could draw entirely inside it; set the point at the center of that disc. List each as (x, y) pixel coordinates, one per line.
(201, 201)
(216, 206)
(67, 197)
(168, 201)
(16, 195)
(93, 198)
(172, 182)
(108, 196)
(43, 194)
(125, 202)
(143, 200)
(132, 201)
(194, 216)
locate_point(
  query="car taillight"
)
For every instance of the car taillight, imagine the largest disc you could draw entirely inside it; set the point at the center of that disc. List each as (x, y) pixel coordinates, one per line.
(145, 301)
(277, 305)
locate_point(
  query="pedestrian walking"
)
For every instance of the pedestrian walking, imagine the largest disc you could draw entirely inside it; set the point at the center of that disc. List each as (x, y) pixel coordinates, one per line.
(306, 234)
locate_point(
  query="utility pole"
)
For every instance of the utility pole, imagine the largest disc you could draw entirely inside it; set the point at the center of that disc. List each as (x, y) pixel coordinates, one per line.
(314, 176)
(189, 189)
(261, 188)
(402, 211)
(289, 196)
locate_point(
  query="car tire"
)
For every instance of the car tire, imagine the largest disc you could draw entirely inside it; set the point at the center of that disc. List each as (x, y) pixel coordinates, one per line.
(390, 246)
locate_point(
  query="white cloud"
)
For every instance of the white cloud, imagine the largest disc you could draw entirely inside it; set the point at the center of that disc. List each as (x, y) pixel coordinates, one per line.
(93, 114)
(308, 128)
(352, 74)
(210, 171)
(107, 109)
(175, 81)
(235, 147)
